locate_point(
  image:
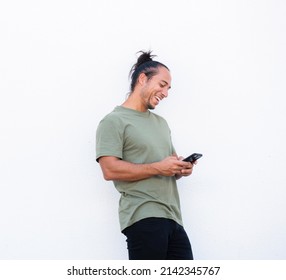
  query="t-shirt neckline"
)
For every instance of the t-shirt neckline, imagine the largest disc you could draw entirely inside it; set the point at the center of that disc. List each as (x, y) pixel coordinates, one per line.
(135, 112)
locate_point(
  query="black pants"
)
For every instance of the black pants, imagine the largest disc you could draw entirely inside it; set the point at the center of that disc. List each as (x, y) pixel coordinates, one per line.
(158, 239)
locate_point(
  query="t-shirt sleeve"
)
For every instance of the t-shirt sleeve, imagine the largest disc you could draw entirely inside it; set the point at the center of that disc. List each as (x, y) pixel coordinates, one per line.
(173, 150)
(109, 138)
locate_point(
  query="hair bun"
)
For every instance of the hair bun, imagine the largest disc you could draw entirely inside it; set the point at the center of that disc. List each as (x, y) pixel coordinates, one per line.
(144, 57)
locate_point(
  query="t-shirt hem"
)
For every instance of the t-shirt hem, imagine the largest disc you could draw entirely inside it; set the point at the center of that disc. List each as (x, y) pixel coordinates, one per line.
(123, 227)
(108, 155)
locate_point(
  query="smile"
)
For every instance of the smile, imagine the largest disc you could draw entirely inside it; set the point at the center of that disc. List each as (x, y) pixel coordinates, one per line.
(158, 98)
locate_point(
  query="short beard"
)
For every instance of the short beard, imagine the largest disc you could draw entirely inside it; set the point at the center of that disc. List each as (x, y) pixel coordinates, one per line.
(148, 104)
(150, 107)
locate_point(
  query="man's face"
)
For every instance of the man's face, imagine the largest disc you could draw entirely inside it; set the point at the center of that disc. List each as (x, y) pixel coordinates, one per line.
(156, 89)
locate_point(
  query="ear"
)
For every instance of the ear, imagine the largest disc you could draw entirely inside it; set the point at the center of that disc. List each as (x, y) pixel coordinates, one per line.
(142, 79)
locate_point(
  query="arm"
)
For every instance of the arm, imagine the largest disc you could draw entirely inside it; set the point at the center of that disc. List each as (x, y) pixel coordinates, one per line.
(119, 170)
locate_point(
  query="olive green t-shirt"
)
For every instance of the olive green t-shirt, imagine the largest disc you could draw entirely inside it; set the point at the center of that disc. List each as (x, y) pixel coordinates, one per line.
(140, 137)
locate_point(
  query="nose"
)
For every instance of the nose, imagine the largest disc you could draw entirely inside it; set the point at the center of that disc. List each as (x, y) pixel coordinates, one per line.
(165, 93)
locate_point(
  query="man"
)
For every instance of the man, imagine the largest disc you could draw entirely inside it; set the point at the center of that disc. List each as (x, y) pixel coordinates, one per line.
(135, 151)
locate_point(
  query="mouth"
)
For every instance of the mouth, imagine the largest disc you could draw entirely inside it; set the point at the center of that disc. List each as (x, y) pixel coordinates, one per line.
(157, 98)
(155, 101)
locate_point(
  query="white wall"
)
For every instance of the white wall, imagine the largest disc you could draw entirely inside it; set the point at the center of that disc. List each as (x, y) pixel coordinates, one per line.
(65, 64)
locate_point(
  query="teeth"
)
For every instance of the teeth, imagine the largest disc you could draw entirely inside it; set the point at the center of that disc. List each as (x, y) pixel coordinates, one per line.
(158, 98)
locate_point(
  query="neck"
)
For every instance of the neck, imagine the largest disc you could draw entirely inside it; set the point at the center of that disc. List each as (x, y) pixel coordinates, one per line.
(134, 102)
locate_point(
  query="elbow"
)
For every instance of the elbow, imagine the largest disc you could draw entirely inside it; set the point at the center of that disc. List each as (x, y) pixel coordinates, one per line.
(107, 175)
(107, 166)
(107, 178)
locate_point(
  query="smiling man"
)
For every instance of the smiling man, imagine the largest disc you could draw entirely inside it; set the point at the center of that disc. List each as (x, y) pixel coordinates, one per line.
(135, 151)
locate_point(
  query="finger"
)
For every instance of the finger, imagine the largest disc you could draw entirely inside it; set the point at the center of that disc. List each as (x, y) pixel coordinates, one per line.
(186, 172)
(189, 166)
(184, 164)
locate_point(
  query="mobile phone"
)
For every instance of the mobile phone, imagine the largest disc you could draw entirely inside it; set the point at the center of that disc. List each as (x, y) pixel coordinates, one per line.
(193, 157)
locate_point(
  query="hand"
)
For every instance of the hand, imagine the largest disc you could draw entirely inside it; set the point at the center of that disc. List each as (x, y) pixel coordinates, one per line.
(173, 165)
(186, 171)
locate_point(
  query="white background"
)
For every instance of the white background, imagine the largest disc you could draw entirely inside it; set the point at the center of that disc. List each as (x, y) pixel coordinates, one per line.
(65, 64)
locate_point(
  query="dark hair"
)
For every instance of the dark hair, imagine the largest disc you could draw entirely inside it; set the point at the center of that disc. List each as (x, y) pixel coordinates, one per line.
(145, 64)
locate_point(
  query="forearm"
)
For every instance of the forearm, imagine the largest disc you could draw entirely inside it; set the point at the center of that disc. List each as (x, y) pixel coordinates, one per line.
(122, 170)
(119, 170)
